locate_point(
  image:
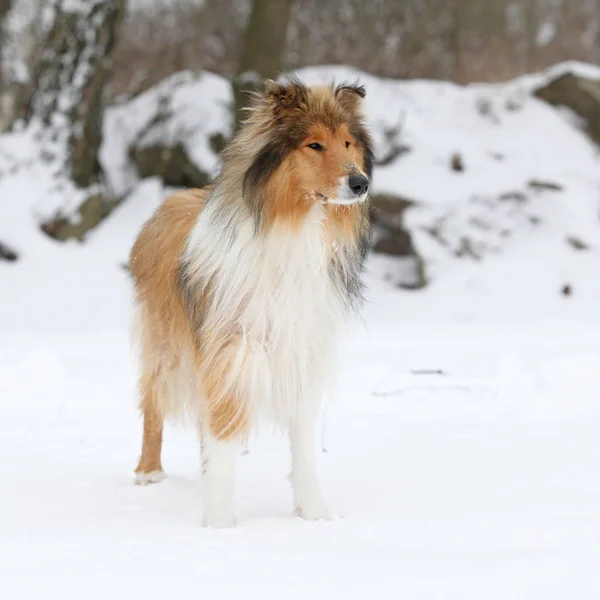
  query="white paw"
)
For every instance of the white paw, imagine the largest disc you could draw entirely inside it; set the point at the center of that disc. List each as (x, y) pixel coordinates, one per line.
(219, 519)
(148, 478)
(313, 509)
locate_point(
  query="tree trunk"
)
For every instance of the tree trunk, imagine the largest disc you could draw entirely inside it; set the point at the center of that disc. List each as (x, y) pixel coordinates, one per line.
(458, 17)
(532, 25)
(5, 6)
(263, 48)
(67, 106)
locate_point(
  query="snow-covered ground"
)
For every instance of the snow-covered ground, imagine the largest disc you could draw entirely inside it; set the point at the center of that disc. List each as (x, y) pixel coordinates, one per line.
(479, 482)
(483, 482)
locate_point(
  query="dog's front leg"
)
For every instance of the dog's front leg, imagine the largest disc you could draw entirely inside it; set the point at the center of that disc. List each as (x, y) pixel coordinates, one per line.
(218, 478)
(223, 429)
(308, 500)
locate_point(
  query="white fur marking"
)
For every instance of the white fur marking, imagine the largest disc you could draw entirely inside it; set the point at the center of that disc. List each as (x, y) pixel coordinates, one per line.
(275, 293)
(308, 501)
(345, 196)
(218, 481)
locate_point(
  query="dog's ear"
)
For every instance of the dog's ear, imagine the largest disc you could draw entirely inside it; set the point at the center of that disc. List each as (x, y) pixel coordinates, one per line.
(350, 95)
(285, 96)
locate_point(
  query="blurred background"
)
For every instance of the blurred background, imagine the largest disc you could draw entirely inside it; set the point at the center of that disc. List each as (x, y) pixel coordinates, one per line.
(104, 95)
(462, 437)
(485, 117)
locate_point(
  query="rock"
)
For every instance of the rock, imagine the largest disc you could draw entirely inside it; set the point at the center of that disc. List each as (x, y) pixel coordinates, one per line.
(484, 107)
(395, 244)
(566, 290)
(388, 209)
(409, 271)
(536, 184)
(577, 244)
(513, 104)
(395, 240)
(456, 163)
(579, 94)
(516, 196)
(171, 163)
(534, 220)
(90, 213)
(7, 253)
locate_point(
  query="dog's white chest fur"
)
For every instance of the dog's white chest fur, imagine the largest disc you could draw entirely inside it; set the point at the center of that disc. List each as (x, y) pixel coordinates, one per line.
(275, 293)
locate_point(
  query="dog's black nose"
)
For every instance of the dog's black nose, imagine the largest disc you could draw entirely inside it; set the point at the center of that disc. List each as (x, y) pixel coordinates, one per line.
(359, 184)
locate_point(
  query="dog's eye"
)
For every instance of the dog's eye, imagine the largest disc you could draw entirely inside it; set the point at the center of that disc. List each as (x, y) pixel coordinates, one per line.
(316, 146)
(347, 144)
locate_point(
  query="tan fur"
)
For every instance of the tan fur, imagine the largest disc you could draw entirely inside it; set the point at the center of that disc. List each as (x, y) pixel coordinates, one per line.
(150, 460)
(178, 354)
(163, 326)
(166, 334)
(290, 193)
(227, 408)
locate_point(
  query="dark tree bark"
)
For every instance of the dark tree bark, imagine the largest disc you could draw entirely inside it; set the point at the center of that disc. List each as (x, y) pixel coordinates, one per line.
(67, 103)
(532, 23)
(263, 49)
(5, 6)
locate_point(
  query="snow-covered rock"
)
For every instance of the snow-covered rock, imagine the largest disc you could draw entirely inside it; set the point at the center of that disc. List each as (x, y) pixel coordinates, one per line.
(579, 94)
(181, 119)
(485, 167)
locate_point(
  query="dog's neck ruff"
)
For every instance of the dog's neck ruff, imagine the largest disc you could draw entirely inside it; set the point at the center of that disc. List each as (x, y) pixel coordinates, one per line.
(283, 293)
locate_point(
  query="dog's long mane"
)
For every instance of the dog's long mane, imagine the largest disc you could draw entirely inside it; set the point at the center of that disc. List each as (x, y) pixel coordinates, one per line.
(279, 119)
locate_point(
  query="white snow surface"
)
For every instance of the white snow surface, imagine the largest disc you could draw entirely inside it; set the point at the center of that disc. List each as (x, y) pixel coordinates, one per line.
(482, 481)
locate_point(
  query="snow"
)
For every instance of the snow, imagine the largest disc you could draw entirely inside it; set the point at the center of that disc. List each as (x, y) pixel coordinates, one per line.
(506, 139)
(546, 33)
(482, 481)
(485, 483)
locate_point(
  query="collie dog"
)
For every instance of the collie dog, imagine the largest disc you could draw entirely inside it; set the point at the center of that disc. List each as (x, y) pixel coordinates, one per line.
(241, 287)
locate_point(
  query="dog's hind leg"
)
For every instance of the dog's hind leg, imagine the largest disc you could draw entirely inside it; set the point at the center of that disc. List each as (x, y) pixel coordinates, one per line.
(149, 469)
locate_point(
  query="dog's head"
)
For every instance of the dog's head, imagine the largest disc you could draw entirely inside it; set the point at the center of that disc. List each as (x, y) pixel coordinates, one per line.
(315, 148)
